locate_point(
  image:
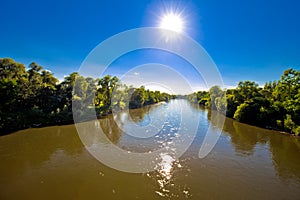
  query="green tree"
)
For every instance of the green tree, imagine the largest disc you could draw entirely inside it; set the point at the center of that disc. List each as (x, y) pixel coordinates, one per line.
(13, 85)
(247, 90)
(138, 98)
(217, 99)
(106, 86)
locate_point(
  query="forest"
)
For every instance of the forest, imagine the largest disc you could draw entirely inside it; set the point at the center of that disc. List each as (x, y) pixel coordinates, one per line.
(276, 105)
(33, 97)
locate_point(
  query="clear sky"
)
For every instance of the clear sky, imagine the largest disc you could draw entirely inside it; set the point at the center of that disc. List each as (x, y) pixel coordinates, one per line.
(247, 39)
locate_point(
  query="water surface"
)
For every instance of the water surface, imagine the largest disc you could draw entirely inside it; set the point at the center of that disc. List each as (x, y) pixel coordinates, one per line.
(247, 162)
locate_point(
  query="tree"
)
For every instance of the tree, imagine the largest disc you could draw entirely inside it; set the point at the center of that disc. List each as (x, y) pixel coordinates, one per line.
(13, 85)
(217, 99)
(247, 113)
(276, 105)
(106, 86)
(138, 98)
(232, 105)
(247, 90)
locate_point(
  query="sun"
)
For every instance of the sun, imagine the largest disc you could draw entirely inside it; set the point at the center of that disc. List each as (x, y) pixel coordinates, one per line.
(172, 22)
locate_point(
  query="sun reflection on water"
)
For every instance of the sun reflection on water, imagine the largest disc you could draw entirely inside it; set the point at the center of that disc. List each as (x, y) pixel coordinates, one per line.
(165, 178)
(165, 172)
(165, 167)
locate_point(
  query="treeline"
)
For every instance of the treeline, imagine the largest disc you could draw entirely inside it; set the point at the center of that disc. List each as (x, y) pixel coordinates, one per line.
(275, 106)
(34, 97)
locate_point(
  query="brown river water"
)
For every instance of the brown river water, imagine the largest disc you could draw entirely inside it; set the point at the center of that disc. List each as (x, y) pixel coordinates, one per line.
(246, 163)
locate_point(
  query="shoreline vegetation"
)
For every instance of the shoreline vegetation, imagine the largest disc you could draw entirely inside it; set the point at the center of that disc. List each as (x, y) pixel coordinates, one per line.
(33, 98)
(274, 106)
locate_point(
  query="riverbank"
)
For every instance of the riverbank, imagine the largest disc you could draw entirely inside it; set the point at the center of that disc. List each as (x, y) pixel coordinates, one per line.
(64, 118)
(33, 96)
(105, 115)
(280, 131)
(274, 105)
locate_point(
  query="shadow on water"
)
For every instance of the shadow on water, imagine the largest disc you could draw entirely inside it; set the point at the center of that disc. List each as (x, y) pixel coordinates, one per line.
(284, 148)
(285, 155)
(244, 138)
(140, 115)
(110, 129)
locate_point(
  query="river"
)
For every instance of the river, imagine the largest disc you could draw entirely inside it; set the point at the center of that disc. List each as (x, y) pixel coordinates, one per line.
(246, 163)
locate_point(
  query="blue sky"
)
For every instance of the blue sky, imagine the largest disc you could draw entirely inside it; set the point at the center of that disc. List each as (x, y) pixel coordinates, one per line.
(247, 39)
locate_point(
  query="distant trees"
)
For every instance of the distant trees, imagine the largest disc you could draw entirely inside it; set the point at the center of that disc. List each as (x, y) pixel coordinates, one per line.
(201, 97)
(34, 97)
(141, 97)
(276, 105)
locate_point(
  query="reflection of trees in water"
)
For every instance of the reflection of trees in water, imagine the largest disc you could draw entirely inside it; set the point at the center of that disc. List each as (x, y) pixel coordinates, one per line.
(143, 114)
(31, 148)
(195, 106)
(138, 115)
(113, 125)
(111, 129)
(284, 148)
(243, 137)
(285, 154)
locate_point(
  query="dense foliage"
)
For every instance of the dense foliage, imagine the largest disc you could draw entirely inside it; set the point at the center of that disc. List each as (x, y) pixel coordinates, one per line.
(276, 105)
(34, 97)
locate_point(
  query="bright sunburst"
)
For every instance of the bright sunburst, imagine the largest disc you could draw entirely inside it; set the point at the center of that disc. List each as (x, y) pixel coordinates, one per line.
(172, 22)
